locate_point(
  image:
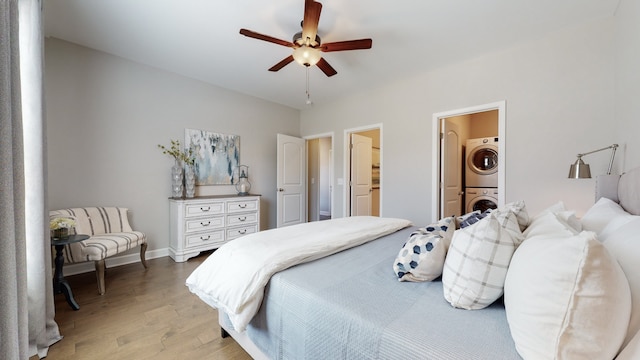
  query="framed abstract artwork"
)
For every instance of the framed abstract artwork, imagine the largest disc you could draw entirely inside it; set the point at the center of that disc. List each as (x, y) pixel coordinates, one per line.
(217, 156)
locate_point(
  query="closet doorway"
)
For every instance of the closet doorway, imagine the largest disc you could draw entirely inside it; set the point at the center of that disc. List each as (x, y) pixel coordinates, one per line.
(319, 177)
(363, 169)
(453, 131)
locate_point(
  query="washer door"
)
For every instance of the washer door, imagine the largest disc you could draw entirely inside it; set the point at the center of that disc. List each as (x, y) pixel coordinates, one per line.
(483, 160)
(484, 204)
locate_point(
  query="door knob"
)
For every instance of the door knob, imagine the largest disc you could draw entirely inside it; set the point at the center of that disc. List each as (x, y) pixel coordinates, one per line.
(280, 189)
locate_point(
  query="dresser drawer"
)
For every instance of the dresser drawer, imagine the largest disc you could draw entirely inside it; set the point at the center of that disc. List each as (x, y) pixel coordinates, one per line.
(205, 239)
(240, 219)
(205, 223)
(241, 231)
(242, 205)
(200, 209)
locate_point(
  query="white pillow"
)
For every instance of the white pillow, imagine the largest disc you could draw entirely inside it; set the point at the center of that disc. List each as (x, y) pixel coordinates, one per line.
(557, 207)
(600, 214)
(422, 256)
(614, 224)
(569, 218)
(632, 350)
(624, 245)
(520, 210)
(478, 258)
(557, 223)
(566, 298)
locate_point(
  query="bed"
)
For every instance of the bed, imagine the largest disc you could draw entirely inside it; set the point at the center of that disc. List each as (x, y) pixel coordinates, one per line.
(345, 301)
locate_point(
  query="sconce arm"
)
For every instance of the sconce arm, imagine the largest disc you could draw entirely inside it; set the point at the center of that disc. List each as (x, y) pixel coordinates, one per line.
(614, 147)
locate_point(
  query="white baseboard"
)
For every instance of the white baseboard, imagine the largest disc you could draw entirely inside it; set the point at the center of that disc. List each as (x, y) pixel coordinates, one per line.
(80, 268)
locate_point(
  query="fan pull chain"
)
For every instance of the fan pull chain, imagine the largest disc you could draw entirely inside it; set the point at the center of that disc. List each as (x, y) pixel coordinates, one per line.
(309, 102)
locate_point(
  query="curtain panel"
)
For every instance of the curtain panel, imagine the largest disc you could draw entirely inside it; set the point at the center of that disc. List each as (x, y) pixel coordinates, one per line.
(27, 325)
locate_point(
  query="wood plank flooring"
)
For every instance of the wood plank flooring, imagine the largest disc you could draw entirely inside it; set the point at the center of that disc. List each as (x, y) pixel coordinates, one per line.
(144, 314)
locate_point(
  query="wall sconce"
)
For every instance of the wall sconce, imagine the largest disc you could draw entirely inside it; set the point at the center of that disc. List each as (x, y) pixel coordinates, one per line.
(580, 170)
(243, 185)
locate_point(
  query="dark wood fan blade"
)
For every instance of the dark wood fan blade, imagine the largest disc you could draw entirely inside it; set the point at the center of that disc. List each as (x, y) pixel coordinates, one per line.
(347, 45)
(326, 68)
(271, 39)
(282, 63)
(312, 10)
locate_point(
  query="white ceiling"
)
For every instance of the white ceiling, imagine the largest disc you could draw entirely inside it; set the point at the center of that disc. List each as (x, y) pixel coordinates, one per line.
(200, 38)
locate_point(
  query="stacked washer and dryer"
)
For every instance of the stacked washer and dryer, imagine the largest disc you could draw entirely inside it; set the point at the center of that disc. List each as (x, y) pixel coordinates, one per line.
(481, 175)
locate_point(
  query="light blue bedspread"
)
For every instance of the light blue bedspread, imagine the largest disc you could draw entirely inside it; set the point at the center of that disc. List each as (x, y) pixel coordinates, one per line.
(351, 306)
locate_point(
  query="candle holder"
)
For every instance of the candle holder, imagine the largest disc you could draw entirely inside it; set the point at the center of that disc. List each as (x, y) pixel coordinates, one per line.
(243, 185)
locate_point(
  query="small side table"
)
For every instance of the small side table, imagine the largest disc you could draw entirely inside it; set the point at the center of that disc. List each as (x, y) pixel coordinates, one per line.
(60, 284)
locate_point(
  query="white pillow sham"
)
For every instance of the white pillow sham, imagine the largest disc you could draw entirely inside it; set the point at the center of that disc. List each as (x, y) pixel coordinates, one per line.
(558, 223)
(566, 298)
(615, 224)
(624, 245)
(600, 214)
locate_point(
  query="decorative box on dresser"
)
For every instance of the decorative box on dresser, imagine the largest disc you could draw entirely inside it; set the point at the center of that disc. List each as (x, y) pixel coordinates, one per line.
(206, 222)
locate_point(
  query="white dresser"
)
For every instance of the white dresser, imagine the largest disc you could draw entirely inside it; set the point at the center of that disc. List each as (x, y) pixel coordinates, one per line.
(207, 222)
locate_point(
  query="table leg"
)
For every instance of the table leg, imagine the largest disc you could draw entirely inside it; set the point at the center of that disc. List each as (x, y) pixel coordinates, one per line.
(60, 284)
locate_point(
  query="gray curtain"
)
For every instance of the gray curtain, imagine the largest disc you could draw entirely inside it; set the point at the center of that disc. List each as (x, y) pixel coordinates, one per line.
(27, 325)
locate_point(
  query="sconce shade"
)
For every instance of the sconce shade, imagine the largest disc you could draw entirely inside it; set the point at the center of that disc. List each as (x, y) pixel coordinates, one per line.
(579, 170)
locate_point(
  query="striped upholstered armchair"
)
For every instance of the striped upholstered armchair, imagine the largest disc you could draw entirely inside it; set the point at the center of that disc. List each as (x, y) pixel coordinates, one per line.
(109, 234)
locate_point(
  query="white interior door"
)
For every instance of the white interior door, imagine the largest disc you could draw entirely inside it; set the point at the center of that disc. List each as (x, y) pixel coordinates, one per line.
(361, 184)
(291, 180)
(451, 175)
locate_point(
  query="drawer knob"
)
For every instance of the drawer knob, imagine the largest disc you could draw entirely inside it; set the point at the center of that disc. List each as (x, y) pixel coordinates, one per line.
(206, 224)
(205, 238)
(205, 209)
(243, 218)
(242, 206)
(242, 232)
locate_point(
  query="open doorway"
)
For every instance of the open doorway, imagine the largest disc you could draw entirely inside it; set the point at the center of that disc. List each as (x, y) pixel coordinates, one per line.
(468, 159)
(363, 170)
(319, 175)
(304, 179)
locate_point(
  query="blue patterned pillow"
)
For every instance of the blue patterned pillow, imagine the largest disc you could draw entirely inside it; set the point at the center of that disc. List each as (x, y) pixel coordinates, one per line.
(422, 256)
(474, 218)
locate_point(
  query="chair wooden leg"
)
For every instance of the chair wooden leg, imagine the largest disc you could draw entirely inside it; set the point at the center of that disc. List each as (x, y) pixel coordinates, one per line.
(143, 250)
(100, 275)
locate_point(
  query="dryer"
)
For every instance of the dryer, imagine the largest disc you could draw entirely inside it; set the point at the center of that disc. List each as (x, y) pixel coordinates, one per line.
(482, 163)
(481, 199)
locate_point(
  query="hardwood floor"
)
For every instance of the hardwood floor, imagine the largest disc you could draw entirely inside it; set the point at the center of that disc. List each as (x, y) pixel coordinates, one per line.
(143, 315)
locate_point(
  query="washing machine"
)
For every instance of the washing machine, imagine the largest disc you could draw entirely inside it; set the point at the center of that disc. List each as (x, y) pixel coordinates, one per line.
(482, 163)
(481, 199)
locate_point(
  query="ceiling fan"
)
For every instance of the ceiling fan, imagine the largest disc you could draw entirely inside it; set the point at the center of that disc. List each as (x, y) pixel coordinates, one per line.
(307, 44)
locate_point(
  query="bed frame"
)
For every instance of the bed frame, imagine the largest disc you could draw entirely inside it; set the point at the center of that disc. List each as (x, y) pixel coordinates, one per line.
(241, 338)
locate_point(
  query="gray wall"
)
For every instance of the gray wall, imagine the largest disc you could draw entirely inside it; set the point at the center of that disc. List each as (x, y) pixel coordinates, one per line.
(555, 88)
(627, 84)
(106, 116)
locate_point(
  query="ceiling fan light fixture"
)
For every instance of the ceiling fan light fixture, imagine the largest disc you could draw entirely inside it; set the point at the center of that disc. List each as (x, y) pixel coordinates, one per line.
(306, 55)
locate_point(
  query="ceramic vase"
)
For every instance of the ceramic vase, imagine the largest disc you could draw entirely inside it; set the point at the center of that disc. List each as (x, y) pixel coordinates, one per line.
(177, 179)
(190, 181)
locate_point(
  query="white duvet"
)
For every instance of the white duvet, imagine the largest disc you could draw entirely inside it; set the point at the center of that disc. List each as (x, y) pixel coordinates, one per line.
(234, 276)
